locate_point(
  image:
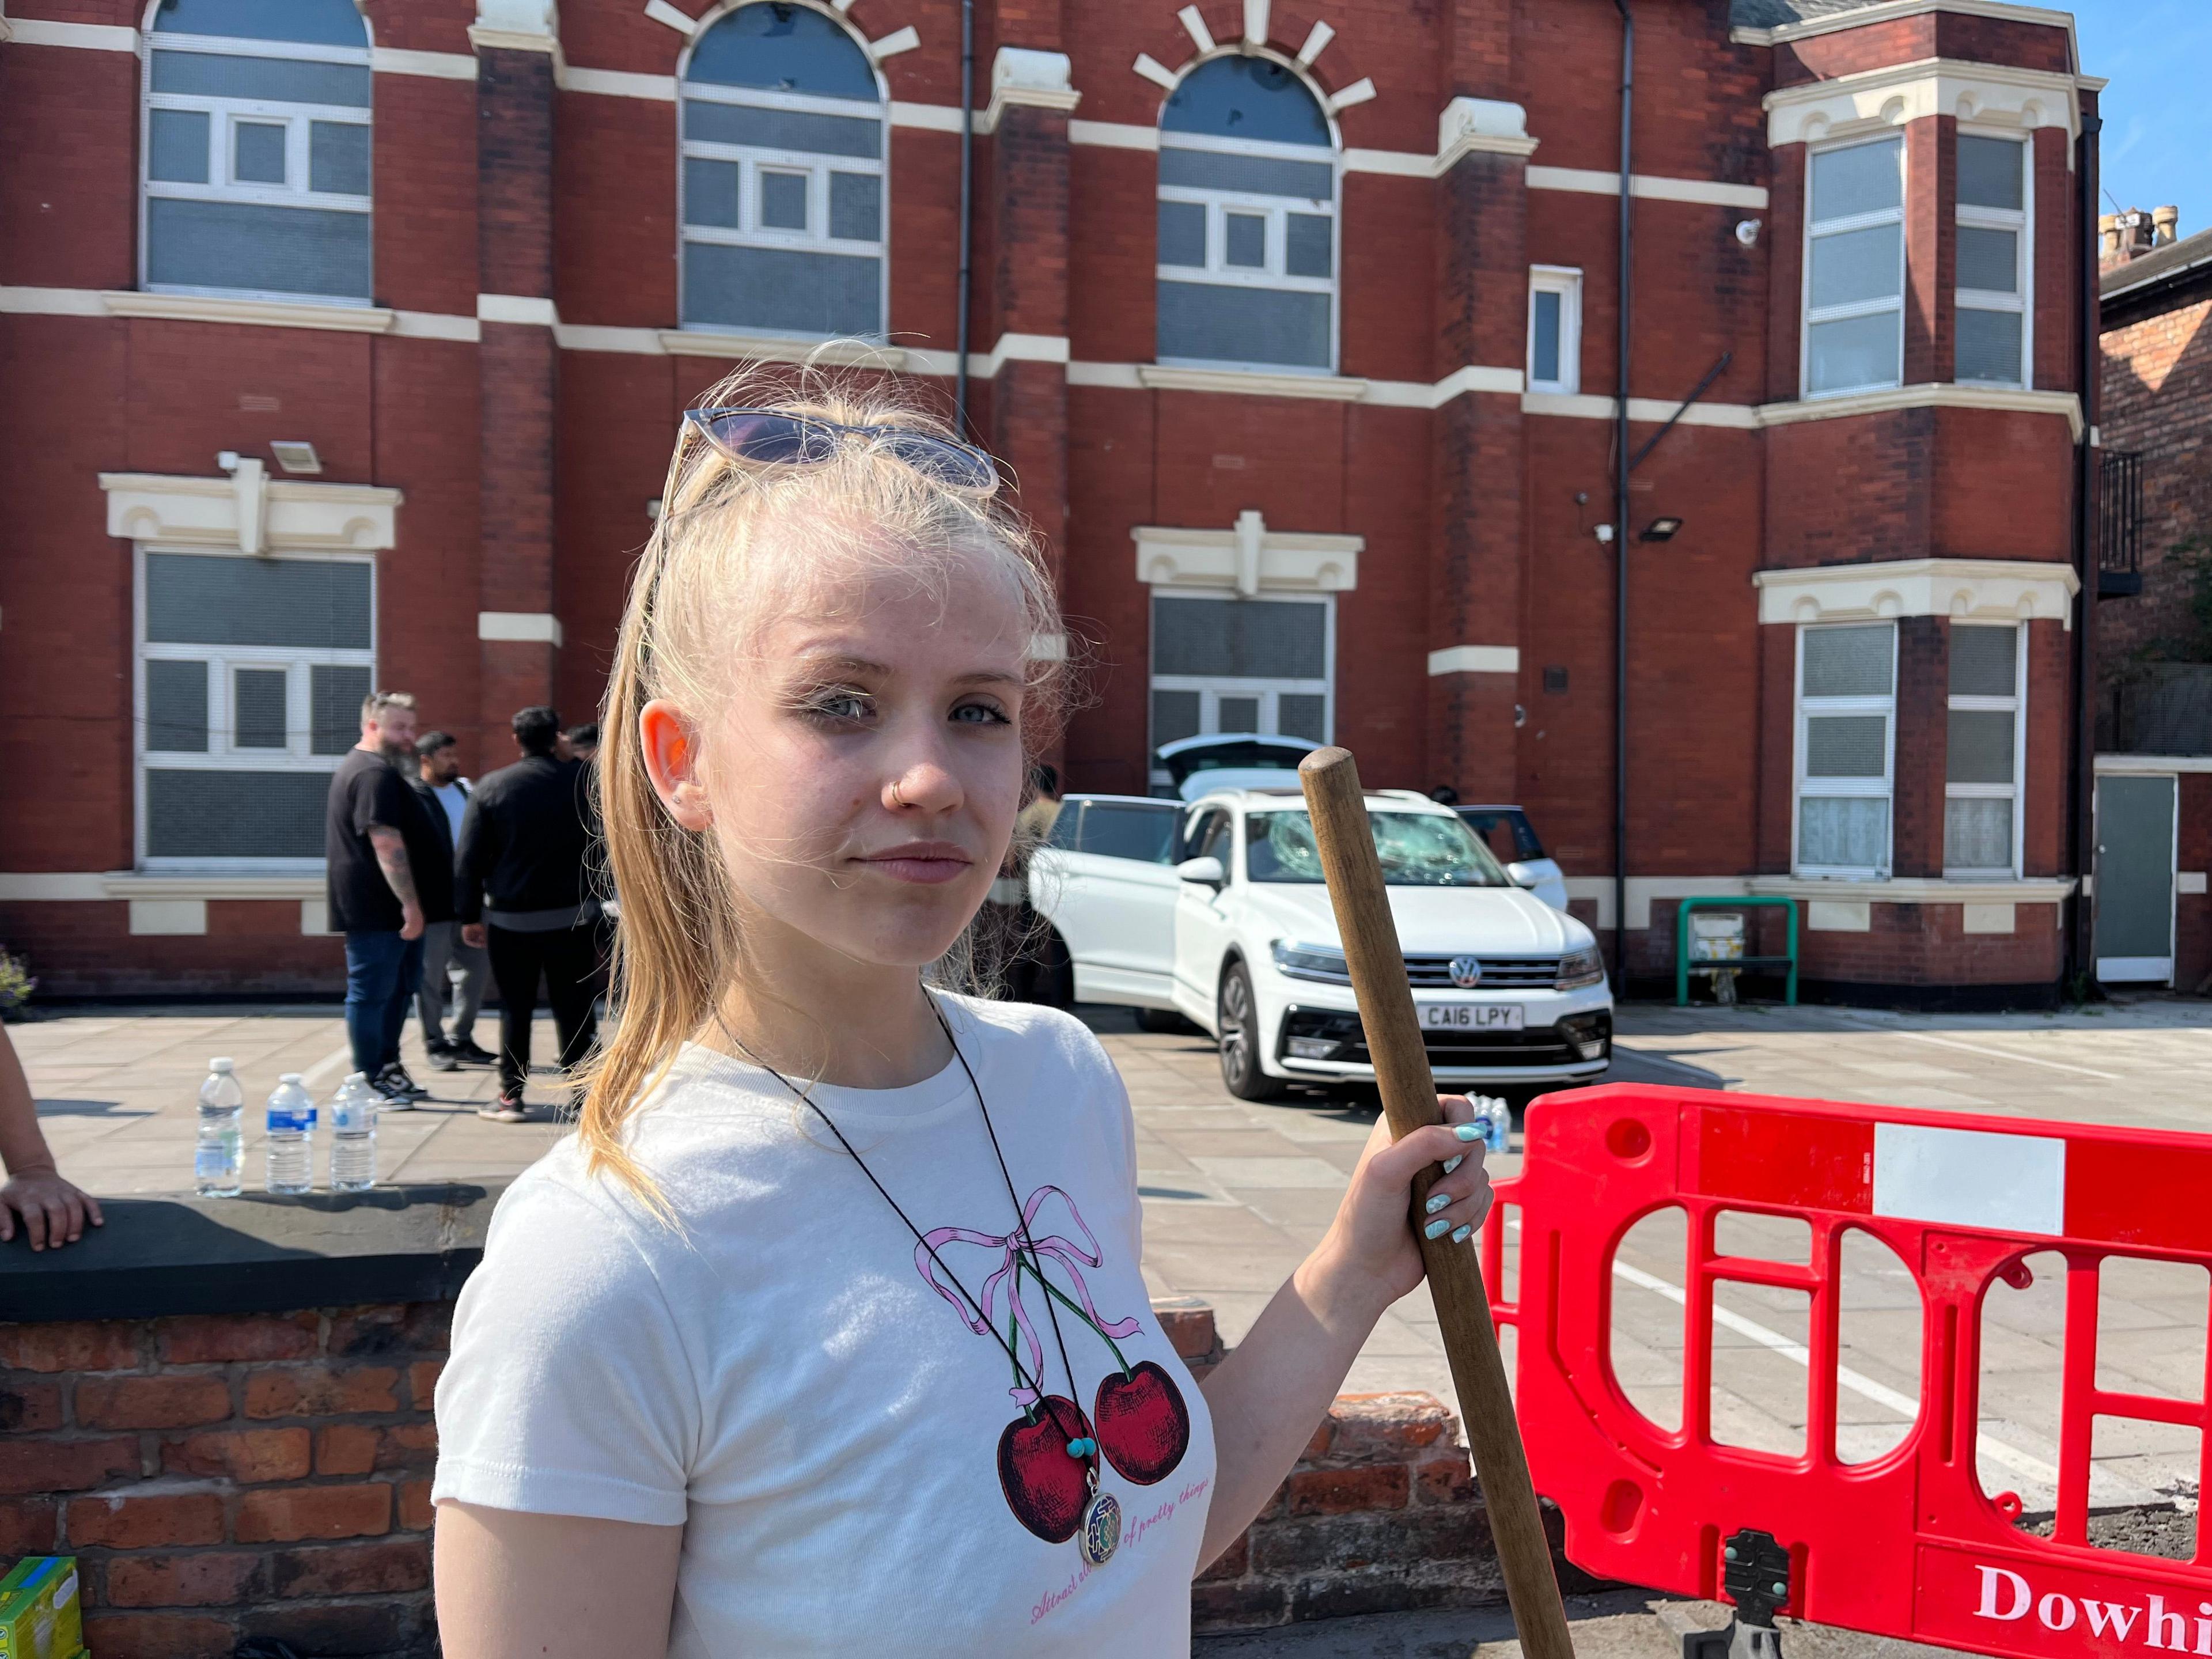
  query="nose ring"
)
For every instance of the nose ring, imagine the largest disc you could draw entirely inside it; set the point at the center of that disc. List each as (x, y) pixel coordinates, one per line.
(897, 799)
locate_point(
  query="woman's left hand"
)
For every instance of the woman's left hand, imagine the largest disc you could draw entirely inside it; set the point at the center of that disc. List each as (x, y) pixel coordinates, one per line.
(1372, 1241)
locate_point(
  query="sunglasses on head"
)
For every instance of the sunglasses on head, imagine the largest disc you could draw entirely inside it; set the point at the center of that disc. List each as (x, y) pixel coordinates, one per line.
(768, 437)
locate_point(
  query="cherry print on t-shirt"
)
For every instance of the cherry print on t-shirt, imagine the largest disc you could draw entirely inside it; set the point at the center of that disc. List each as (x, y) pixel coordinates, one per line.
(1049, 1455)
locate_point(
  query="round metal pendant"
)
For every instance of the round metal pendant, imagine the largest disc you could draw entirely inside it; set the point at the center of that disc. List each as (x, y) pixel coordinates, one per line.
(1101, 1529)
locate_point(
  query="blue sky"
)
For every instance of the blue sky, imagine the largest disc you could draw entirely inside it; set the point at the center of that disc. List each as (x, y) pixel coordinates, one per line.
(2158, 110)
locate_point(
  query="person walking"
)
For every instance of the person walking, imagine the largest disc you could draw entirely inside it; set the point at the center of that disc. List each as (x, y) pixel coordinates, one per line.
(584, 741)
(454, 971)
(523, 892)
(389, 878)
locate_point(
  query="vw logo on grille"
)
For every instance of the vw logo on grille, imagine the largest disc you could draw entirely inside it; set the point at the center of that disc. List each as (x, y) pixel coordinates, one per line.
(1466, 972)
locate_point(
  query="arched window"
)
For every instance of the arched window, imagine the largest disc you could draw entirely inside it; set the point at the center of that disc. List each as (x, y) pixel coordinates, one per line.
(257, 150)
(783, 176)
(1248, 220)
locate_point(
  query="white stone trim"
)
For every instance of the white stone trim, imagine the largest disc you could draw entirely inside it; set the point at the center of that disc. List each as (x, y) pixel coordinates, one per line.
(1359, 92)
(1475, 660)
(1888, 11)
(1316, 42)
(315, 918)
(435, 326)
(1390, 163)
(2188, 882)
(1048, 647)
(1928, 395)
(930, 118)
(1255, 23)
(1838, 905)
(485, 38)
(1121, 377)
(1491, 126)
(525, 627)
(1976, 590)
(589, 336)
(1193, 24)
(661, 12)
(2155, 763)
(1988, 918)
(1868, 101)
(1648, 186)
(1155, 71)
(90, 886)
(618, 83)
(434, 65)
(262, 313)
(1589, 406)
(524, 309)
(52, 302)
(85, 37)
(891, 44)
(771, 349)
(1023, 78)
(1114, 135)
(1334, 388)
(168, 916)
(1247, 557)
(249, 512)
(1476, 377)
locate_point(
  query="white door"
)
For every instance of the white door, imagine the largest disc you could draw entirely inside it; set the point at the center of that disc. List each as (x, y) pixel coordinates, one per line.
(1201, 925)
(1107, 883)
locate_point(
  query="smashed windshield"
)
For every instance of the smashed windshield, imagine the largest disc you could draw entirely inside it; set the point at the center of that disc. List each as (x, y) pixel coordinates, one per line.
(1418, 849)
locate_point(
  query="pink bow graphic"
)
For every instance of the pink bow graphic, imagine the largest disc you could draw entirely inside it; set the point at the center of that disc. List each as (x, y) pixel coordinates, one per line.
(1015, 1247)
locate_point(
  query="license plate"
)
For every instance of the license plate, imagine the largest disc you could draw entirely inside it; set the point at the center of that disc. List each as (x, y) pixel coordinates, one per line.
(1471, 1016)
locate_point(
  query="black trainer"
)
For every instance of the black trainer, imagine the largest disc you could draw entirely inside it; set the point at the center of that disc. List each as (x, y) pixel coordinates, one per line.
(442, 1057)
(465, 1050)
(395, 1086)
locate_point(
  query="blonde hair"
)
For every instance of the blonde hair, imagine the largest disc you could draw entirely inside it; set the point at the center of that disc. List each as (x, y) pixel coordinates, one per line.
(738, 546)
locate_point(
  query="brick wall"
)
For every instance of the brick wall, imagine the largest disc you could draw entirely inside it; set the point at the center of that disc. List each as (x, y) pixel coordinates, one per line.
(2158, 400)
(221, 1477)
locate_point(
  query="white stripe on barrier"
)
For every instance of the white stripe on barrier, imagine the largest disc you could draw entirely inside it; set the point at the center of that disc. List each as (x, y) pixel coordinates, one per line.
(1970, 1178)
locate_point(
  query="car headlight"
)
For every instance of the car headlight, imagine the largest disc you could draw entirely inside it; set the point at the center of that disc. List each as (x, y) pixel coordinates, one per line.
(1581, 968)
(1322, 963)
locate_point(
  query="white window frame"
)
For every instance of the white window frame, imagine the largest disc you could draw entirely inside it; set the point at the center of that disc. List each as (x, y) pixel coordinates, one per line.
(1219, 204)
(1803, 788)
(2021, 301)
(1813, 230)
(1566, 281)
(1211, 688)
(2016, 791)
(222, 754)
(222, 114)
(752, 159)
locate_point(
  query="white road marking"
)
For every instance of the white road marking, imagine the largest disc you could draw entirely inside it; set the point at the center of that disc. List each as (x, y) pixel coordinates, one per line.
(323, 1067)
(1984, 1049)
(1881, 1393)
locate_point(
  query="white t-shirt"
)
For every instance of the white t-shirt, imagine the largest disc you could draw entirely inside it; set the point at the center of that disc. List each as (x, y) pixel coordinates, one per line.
(854, 1465)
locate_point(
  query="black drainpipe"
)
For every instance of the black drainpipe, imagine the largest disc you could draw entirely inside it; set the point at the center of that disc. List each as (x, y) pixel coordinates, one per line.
(1621, 522)
(967, 211)
(2081, 959)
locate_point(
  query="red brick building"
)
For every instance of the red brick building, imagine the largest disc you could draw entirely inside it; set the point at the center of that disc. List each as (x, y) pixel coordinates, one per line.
(1300, 322)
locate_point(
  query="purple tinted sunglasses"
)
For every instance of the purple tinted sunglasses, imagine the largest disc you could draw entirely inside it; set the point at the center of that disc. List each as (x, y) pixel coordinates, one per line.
(770, 437)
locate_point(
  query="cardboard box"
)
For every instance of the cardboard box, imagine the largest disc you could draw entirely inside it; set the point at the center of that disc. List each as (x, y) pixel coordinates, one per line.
(41, 1614)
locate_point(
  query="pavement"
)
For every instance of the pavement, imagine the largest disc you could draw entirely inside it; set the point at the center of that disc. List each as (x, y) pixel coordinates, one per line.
(1237, 1193)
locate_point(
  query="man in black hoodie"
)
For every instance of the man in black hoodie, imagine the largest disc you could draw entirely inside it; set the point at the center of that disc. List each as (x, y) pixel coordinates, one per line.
(523, 890)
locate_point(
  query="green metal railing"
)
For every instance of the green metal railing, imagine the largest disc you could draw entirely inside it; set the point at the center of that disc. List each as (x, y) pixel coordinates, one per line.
(1684, 967)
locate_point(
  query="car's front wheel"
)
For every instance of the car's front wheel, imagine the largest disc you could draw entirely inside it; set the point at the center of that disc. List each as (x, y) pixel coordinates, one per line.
(1237, 1017)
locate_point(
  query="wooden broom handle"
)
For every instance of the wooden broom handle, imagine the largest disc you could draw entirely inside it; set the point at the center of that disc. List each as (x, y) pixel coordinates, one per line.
(1401, 1058)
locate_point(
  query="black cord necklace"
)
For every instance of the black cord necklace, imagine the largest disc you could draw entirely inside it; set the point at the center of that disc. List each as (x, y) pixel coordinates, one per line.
(1100, 1532)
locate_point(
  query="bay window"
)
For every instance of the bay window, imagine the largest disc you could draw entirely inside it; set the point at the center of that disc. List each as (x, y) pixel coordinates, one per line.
(1846, 721)
(1992, 317)
(1854, 268)
(1983, 751)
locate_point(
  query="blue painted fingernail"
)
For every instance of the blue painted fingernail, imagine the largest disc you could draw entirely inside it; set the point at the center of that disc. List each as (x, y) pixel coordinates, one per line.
(1467, 1130)
(1436, 1201)
(1436, 1229)
(1454, 1161)
(1459, 1234)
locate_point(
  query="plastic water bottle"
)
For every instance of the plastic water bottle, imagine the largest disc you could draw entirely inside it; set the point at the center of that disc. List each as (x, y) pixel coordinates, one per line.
(291, 1136)
(1495, 1119)
(352, 1135)
(218, 1159)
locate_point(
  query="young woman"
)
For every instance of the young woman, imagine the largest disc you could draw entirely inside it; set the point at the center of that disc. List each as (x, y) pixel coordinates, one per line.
(826, 1330)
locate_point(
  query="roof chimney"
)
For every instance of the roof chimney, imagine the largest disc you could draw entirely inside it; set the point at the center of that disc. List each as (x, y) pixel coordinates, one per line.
(2124, 236)
(2165, 225)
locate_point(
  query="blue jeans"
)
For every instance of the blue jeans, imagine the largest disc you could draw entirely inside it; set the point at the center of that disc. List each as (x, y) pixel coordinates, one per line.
(383, 971)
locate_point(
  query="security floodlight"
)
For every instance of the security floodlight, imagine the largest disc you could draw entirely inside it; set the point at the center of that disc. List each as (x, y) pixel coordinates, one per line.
(296, 455)
(1660, 529)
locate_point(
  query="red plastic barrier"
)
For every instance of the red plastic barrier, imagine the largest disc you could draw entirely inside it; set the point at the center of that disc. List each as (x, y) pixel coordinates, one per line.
(1909, 1544)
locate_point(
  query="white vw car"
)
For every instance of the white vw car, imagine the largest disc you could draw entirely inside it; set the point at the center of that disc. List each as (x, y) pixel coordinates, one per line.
(1217, 911)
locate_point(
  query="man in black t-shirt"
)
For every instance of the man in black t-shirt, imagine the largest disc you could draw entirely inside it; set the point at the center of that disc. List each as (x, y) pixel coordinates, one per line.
(389, 878)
